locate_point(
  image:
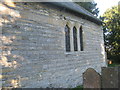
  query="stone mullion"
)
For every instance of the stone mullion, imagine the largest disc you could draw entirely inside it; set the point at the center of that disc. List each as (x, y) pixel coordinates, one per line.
(78, 38)
(71, 39)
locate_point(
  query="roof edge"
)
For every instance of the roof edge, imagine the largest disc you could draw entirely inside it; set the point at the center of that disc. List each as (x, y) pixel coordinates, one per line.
(78, 9)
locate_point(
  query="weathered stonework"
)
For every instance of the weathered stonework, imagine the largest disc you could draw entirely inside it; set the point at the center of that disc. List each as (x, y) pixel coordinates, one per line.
(37, 45)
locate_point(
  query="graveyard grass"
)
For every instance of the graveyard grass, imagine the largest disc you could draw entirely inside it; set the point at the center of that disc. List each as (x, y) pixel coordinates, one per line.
(113, 64)
(78, 88)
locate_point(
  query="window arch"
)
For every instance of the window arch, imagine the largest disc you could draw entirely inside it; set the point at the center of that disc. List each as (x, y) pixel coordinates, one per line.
(75, 39)
(67, 38)
(81, 38)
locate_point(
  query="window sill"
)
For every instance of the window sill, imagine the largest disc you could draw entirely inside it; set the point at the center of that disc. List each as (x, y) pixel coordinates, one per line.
(73, 52)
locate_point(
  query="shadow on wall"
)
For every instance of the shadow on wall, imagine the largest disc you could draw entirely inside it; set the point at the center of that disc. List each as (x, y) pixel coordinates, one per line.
(8, 61)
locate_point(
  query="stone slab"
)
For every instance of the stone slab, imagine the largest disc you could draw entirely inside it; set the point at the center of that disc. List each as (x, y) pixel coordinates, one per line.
(111, 77)
(91, 79)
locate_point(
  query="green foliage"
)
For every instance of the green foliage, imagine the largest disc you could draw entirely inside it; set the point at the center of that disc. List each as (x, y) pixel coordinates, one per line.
(90, 6)
(78, 88)
(111, 27)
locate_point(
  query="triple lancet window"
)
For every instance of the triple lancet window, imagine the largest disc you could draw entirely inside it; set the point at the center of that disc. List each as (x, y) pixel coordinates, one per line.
(75, 38)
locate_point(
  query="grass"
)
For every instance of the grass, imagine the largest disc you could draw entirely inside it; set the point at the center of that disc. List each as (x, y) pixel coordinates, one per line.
(78, 88)
(113, 65)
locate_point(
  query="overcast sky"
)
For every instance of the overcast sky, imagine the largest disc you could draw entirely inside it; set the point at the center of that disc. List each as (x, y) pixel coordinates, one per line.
(103, 5)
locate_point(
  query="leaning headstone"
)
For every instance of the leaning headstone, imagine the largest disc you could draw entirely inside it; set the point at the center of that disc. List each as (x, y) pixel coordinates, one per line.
(111, 77)
(91, 79)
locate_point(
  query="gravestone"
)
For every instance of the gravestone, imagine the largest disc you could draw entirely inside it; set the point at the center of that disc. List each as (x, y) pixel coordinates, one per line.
(91, 79)
(111, 77)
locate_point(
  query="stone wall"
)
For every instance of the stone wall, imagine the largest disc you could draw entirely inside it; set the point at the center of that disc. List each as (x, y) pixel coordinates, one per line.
(34, 48)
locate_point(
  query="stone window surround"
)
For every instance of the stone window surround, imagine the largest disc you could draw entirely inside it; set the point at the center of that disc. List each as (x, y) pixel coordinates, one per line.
(77, 25)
